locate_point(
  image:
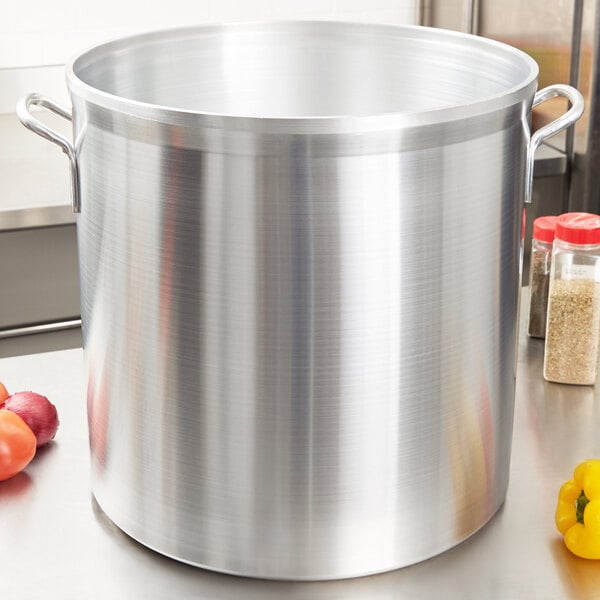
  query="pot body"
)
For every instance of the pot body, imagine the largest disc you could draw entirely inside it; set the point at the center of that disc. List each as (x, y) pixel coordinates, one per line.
(299, 333)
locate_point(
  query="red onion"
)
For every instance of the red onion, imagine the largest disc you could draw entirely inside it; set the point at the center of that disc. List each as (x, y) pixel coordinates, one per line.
(37, 411)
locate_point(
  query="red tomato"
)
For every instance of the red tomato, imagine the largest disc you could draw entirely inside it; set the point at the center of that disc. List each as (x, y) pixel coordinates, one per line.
(17, 444)
(3, 393)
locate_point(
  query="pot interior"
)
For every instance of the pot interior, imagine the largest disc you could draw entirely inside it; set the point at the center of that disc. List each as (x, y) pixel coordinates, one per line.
(305, 69)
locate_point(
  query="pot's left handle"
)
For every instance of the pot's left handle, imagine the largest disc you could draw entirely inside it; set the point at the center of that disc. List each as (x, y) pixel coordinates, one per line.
(547, 131)
(44, 131)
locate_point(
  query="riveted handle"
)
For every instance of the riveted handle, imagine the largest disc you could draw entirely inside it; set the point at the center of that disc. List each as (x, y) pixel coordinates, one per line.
(541, 135)
(27, 119)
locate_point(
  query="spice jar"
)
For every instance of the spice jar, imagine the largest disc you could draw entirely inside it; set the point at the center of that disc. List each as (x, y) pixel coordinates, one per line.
(573, 322)
(539, 274)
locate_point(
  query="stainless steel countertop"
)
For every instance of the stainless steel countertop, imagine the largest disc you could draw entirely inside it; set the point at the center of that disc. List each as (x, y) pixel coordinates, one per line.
(56, 543)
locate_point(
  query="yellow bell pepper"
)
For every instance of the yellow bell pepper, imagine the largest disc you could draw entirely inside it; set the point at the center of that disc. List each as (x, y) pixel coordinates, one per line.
(578, 510)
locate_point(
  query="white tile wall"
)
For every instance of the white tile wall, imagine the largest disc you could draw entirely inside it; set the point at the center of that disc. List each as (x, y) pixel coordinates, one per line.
(15, 83)
(41, 33)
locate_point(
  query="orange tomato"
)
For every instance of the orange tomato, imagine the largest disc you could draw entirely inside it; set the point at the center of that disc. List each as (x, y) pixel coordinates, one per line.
(3, 393)
(17, 444)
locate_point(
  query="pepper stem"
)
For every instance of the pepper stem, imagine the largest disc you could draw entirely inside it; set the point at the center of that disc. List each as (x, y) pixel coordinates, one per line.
(580, 505)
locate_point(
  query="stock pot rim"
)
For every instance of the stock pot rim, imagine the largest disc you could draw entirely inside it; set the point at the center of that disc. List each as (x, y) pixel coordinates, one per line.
(320, 124)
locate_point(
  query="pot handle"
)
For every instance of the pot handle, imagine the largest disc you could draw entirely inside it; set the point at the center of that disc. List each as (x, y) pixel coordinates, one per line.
(541, 135)
(44, 131)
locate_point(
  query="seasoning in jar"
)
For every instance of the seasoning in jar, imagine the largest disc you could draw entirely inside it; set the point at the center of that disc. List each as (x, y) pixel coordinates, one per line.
(539, 274)
(573, 321)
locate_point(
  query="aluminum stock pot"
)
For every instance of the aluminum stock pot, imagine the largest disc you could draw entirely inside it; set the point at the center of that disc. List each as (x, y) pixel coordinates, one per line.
(300, 253)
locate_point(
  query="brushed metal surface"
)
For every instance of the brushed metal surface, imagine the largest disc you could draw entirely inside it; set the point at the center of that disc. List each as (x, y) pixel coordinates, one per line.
(39, 274)
(300, 332)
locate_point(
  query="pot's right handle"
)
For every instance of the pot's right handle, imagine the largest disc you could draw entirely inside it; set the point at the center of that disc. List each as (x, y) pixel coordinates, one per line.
(44, 131)
(547, 131)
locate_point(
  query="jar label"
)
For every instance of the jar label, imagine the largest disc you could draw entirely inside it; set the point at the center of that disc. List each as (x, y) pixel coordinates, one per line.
(578, 272)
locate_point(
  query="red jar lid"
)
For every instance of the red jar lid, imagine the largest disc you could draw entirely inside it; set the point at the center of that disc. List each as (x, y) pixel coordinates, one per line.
(543, 229)
(578, 228)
